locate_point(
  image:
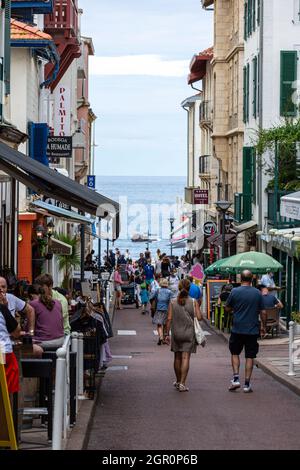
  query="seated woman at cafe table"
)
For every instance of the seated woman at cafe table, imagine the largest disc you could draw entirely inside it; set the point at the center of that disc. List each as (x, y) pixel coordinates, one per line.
(49, 329)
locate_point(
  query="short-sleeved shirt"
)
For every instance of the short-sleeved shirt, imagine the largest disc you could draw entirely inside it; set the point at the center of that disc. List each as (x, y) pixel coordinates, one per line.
(163, 296)
(149, 272)
(7, 325)
(195, 292)
(48, 323)
(15, 304)
(247, 302)
(270, 301)
(65, 309)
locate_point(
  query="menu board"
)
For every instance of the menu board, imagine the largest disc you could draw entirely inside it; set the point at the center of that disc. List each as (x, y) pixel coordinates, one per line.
(214, 288)
(7, 432)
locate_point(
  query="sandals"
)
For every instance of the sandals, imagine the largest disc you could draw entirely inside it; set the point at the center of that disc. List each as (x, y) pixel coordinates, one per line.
(182, 388)
(176, 385)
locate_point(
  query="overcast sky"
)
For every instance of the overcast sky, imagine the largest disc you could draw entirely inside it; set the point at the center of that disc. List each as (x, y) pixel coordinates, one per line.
(138, 80)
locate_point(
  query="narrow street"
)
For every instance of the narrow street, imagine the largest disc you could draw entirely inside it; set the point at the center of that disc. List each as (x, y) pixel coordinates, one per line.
(138, 407)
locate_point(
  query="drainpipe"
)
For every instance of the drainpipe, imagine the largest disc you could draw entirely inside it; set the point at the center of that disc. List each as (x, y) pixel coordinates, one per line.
(260, 98)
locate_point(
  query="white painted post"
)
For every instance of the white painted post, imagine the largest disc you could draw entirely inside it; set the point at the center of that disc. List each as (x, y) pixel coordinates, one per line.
(74, 348)
(291, 371)
(107, 297)
(60, 377)
(80, 366)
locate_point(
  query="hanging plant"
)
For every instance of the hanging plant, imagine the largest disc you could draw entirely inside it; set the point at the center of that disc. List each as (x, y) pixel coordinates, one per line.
(287, 136)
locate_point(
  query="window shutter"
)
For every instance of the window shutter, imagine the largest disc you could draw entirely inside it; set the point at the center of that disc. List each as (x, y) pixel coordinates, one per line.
(244, 94)
(258, 85)
(246, 21)
(253, 15)
(288, 74)
(1, 88)
(6, 71)
(249, 171)
(250, 17)
(38, 136)
(247, 93)
(254, 101)
(258, 12)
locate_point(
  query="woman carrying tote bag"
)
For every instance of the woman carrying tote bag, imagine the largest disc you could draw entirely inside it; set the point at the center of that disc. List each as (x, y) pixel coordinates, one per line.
(181, 321)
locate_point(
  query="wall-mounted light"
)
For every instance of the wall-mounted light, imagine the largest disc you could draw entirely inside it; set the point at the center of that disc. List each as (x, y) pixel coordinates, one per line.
(20, 237)
(40, 231)
(50, 228)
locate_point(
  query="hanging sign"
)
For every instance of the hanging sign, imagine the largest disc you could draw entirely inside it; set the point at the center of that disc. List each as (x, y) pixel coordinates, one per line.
(209, 228)
(62, 114)
(200, 196)
(59, 147)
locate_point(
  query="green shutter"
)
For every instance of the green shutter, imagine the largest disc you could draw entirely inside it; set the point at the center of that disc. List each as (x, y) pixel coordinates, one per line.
(288, 75)
(1, 88)
(258, 85)
(244, 93)
(247, 91)
(253, 15)
(246, 21)
(258, 12)
(247, 170)
(7, 46)
(253, 176)
(254, 101)
(250, 17)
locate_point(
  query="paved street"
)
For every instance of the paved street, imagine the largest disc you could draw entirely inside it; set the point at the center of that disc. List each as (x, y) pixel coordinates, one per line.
(138, 408)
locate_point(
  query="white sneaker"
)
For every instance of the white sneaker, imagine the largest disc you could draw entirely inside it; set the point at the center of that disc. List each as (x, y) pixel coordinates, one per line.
(247, 389)
(234, 385)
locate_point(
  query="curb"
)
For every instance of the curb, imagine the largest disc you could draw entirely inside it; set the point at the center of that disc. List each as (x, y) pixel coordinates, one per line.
(263, 365)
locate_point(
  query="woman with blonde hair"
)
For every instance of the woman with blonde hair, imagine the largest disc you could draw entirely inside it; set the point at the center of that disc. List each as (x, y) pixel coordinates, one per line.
(181, 313)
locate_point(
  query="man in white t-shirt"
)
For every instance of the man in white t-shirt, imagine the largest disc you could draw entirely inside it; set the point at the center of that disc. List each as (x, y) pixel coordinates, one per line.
(14, 305)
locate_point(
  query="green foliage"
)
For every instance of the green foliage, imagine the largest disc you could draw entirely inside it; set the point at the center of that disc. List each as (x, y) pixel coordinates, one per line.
(65, 262)
(295, 316)
(286, 136)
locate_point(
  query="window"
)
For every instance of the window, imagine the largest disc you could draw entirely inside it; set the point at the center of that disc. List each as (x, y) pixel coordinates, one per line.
(250, 17)
(246, 21)
(253, 15)
(288, 75)
(249, 172)
(246, 93)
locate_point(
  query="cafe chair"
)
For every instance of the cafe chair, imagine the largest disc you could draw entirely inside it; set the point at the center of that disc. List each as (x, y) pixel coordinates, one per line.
(272, 322)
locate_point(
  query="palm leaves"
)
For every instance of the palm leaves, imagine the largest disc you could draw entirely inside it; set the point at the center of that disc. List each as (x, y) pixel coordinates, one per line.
(67, 262)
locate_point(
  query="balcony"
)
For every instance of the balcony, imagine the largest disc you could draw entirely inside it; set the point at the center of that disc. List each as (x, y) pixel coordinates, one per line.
(204, 165)
(242, 207)
(205, 113)
(274, 217)
(63, 26)
(21, 8)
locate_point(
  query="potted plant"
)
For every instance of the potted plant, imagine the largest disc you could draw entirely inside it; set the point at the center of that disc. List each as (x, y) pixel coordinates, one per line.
(295, 317)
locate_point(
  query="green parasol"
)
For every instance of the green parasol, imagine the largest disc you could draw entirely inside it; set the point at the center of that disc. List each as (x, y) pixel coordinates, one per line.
(256, 262)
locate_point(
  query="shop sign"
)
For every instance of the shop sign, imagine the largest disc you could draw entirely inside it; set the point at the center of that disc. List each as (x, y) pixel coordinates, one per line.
(59, 147)
(209, 228)
(200, 196)
(62, 114)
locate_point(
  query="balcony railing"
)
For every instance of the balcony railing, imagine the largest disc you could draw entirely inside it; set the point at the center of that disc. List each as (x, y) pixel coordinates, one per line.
(64, 17)
(274, 217)
(242, 207)
(204, 165)
(205, 112)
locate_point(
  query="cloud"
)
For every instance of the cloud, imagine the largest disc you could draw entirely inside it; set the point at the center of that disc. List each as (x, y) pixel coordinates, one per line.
(144, 64)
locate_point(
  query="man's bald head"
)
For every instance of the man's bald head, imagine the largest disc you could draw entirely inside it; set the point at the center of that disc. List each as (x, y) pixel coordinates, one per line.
(247, 276)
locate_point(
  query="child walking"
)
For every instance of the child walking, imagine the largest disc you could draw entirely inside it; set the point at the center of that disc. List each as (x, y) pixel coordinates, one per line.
(144, 297)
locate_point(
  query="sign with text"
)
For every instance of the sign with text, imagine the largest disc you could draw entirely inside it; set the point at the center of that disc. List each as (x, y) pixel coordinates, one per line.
(59, 147)
(91, 181)
(209, 228)
(62, 113)
(200, 196)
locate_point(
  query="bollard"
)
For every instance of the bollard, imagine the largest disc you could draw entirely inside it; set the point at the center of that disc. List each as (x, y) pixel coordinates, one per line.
(107, 297)
(59, 398)
(74, 348)
(80, 365)
(291, 371)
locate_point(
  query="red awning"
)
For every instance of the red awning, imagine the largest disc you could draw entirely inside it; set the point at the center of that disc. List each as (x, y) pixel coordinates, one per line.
(198, 65)
(216, 240)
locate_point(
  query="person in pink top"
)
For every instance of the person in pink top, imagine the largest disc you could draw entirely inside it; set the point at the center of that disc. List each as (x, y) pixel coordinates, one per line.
(118, 283)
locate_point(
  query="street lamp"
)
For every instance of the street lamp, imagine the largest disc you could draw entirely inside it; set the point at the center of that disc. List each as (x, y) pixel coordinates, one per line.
(50, 228)
(223, 207)
(171, 220)
(40, 231)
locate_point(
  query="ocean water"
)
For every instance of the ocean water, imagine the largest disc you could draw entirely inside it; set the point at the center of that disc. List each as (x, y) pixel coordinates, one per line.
(147, 202)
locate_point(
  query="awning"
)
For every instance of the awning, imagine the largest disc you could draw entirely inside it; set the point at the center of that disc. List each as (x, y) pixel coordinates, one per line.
(62, 213)
(50, 183)
(179, 244)
(57, 247)
(290, 206)
(243, 227)
(217, 239)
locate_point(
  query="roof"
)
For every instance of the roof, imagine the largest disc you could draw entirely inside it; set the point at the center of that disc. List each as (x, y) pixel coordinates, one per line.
(198, 65)
(24, 31)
